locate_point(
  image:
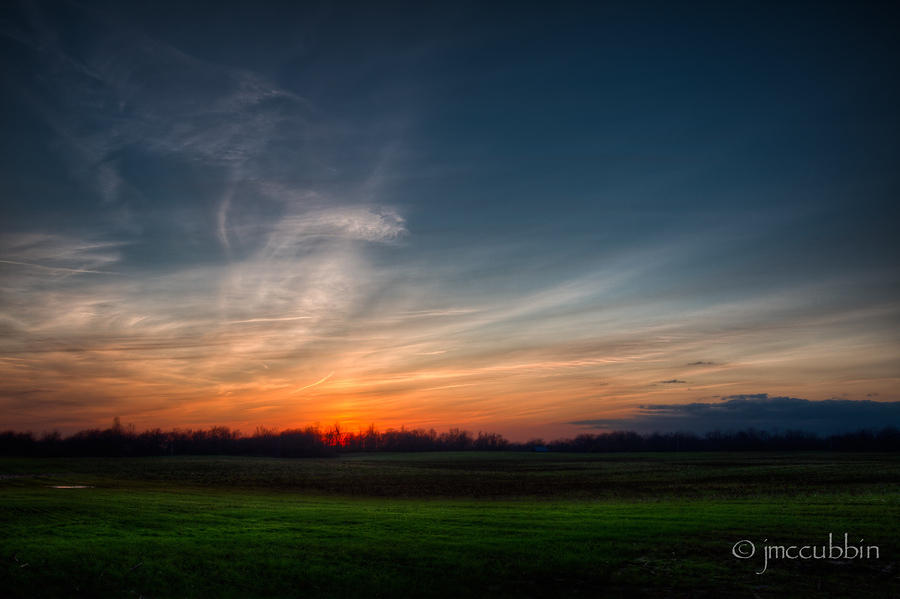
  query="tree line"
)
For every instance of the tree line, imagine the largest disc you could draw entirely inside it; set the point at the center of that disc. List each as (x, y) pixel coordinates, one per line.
(311, 441)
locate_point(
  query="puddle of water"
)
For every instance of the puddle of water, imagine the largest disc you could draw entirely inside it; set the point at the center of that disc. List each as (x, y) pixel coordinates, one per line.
(70, 487)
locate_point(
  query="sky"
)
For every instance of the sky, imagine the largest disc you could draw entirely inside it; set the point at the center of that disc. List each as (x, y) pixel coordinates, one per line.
(539, 219)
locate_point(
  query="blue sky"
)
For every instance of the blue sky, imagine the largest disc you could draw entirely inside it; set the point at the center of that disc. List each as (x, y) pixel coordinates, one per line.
(502, 217)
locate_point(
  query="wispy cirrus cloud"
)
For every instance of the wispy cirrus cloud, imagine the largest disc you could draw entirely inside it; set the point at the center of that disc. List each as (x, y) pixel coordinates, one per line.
(59, 253)
(191, 241)
(180, 164)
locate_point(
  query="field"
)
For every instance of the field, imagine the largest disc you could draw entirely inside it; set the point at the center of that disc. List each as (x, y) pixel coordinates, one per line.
(447, 524)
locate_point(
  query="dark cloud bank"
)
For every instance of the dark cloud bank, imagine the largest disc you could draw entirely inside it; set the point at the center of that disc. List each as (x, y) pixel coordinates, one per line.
(761, 412)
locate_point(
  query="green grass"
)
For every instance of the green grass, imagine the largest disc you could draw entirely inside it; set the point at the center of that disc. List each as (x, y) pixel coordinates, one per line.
(500, 525)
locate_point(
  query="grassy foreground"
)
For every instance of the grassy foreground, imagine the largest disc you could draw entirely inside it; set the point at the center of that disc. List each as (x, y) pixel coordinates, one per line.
(506, 525)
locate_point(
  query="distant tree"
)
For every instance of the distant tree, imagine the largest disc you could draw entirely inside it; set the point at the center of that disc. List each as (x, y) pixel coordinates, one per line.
(311, 441)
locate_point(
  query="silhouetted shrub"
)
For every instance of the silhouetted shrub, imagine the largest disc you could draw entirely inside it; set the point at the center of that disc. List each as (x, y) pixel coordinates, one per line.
(311, 441)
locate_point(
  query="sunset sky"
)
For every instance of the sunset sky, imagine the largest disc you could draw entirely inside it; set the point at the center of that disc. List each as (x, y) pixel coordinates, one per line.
(535, 219)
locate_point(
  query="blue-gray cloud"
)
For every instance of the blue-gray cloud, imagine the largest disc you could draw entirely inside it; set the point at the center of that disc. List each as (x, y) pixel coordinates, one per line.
(758, 411)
